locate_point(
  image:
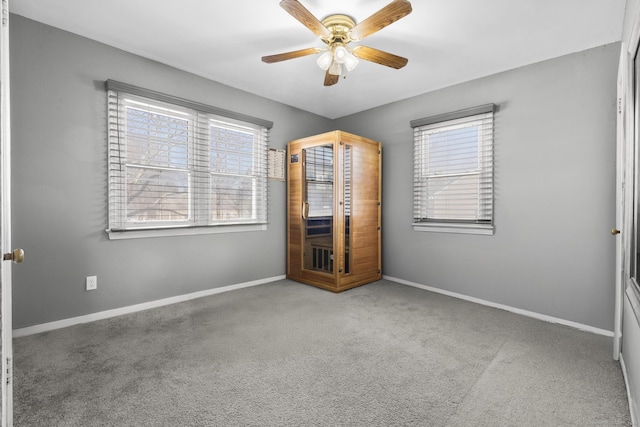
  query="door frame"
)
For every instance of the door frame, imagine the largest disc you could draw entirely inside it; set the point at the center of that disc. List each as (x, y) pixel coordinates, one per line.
(5, 222)
(627, 314)
(624, 192)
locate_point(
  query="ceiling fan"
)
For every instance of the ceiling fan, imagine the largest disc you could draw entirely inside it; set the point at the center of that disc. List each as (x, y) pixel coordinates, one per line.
(337, 31)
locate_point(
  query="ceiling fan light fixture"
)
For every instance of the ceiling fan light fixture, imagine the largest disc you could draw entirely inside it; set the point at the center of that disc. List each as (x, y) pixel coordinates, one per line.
(351, 61)
(325, 59)
(340, 54)
(335, 69)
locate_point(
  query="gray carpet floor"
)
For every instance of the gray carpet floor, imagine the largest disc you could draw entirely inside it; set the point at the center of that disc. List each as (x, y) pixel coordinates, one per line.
(288, 354)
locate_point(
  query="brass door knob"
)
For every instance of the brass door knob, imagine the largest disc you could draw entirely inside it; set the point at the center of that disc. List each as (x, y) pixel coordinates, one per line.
(615, 231)
(17, 256)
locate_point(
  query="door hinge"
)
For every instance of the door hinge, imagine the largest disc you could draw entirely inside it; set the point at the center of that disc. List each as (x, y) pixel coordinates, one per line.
(619, 105)
(5, 13)
(9, 371)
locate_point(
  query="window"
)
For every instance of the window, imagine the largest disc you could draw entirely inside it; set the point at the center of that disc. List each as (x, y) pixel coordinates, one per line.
(453, 172)
(182, 167)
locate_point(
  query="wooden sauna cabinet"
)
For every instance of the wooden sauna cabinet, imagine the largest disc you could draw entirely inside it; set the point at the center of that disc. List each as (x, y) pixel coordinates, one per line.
(333, 210)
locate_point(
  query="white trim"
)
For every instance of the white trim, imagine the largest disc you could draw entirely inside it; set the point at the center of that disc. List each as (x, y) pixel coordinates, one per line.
(632, 408)
(44, 327)
(624, 128)
(6, 377)
(522, 312)
(183, 231)
(441, 227)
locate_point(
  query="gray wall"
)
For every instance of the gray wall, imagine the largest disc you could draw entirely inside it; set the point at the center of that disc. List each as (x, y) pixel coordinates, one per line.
(60, 187)
(554, 190)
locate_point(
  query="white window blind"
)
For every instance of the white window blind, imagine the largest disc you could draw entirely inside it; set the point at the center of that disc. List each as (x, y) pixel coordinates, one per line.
(179, 164)
(453, 170)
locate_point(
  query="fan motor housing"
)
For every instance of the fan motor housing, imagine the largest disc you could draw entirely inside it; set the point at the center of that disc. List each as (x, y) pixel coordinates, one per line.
(339, 25)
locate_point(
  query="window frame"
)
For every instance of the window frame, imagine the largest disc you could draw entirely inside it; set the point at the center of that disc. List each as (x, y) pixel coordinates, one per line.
(483, 116)
(201, 119)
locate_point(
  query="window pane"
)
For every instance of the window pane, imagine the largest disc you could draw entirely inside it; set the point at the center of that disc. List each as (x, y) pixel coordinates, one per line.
(156, 139)
(157, 194)
(231, 151)
(453, 198)
(453, 151)
(232, 198)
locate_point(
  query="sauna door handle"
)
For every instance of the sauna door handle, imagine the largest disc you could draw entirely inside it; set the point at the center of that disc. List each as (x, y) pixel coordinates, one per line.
(305, 210)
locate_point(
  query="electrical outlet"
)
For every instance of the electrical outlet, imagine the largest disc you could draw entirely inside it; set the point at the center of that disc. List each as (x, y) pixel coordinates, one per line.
(92, 283)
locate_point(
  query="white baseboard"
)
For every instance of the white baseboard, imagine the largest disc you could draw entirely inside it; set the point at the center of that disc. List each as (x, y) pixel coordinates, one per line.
(632, 406)
(527, 313)
(44, 327)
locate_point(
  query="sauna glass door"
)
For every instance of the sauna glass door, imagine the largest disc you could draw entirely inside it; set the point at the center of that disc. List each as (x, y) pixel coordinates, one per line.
(318, 208)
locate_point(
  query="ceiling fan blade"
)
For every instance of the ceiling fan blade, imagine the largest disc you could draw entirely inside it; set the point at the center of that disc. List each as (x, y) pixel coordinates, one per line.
(387, 15)
(330, 79)
(298, 11)
(290, 55)
(380, 57)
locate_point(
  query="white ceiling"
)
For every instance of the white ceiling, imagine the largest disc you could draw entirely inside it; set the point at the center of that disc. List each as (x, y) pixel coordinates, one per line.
(446, 41)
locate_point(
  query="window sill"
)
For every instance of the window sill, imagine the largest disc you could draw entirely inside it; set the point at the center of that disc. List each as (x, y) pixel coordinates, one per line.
(186, 231)
(455, 228)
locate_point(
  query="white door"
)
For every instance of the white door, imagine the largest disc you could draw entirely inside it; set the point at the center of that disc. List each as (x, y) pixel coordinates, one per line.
(624, 192)
(5, 225)
(628, 181)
